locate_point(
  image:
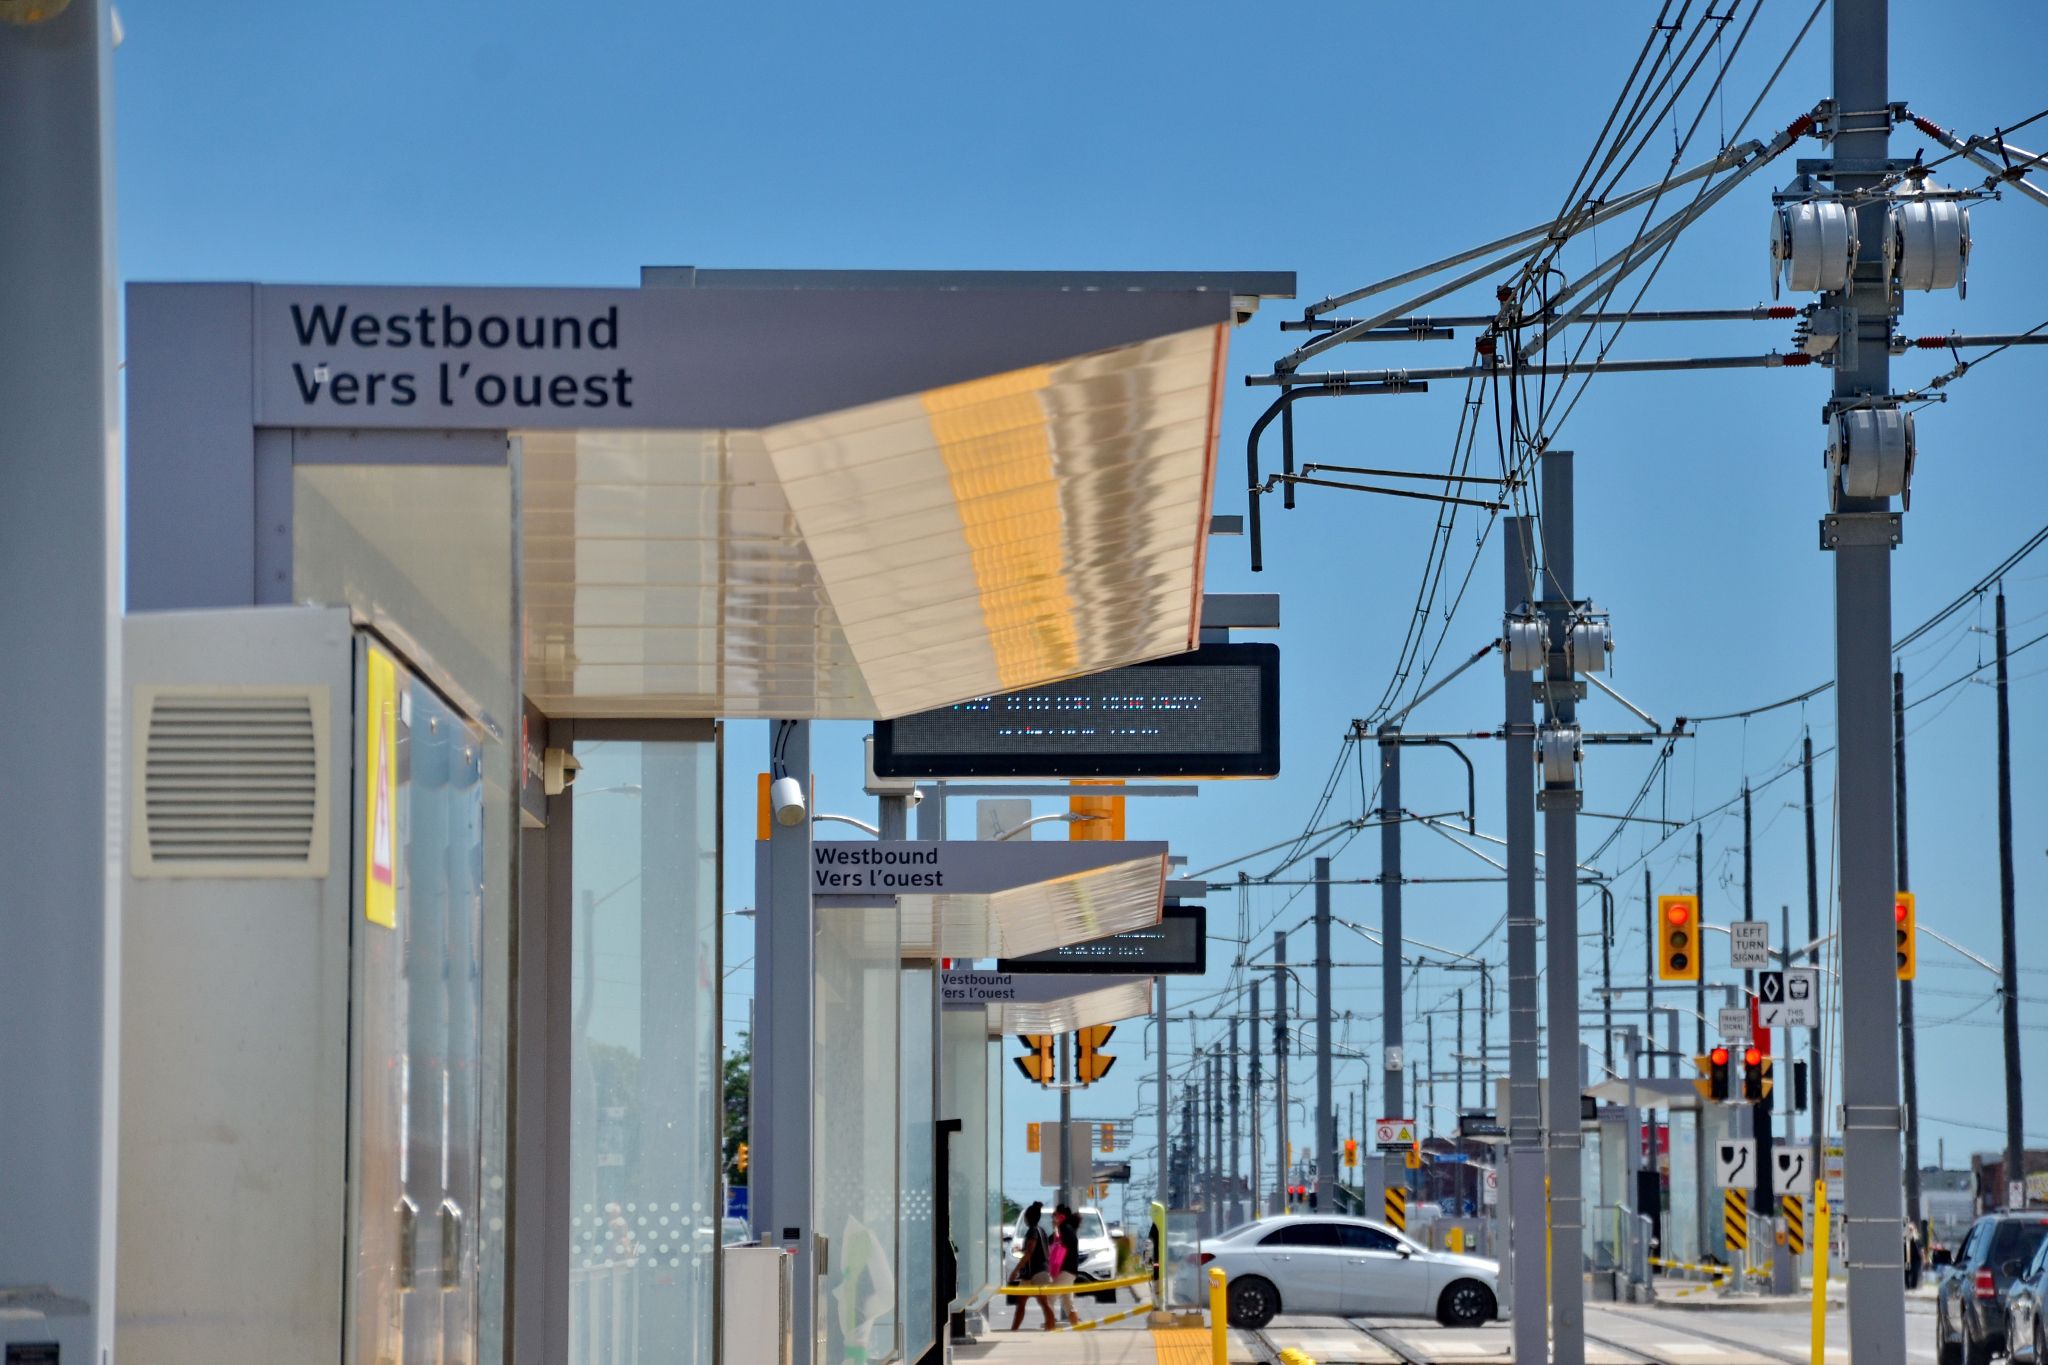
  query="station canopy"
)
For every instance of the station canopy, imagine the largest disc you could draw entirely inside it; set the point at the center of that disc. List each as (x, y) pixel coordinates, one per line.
(953, 485)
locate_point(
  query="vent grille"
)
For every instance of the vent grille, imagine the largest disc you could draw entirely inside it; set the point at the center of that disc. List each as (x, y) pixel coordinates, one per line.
(231, 782)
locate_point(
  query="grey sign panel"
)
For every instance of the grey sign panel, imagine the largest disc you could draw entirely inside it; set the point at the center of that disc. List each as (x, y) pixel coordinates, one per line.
(1749, 944)
(493, 359)
(1213, 712)
(869, 870)
(1733, 1024)
(1735, 1164)
(1177, 946)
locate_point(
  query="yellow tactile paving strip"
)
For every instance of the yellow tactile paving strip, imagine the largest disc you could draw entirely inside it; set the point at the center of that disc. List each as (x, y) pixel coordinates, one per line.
(1181, 1345)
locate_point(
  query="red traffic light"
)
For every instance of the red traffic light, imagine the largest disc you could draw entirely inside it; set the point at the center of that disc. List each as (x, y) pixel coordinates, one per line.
(1899, 911)
(1751, 1057)
(1678, 912)
(1719, 1056)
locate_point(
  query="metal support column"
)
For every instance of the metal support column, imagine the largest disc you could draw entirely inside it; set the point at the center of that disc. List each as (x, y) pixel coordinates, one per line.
(1862, 538)
(1326, 1113)
(1814, 1107)
(1159, 1095)
(1066, 1119)
(59, 552)
(2008, 946)
(784, 1090)
(1909, 1058)
(1236, 1177)
(1281, 1153)
(1391, 937)
(1253, 1053)
(1524, 1181)
(1561, 935)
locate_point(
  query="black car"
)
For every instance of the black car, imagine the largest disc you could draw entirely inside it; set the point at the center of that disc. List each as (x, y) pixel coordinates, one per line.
(1969, 1307)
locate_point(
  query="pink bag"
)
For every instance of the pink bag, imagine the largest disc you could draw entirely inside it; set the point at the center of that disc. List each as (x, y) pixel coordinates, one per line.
(1056, 1257)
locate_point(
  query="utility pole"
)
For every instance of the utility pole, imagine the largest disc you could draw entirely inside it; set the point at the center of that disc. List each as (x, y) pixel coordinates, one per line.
(1236, 1129)
(1861, 532)
(1326, 1114)
(1458, 1105)
(1909, 1050)
(1650, 962)
(1564, 1140)
(1528, 1264)
(2008, 947)
(1607, 971)
(1429, 1066)
(1699, 893)
(1390, 914)
(1761, 1126)
(1280, 1148)
(1159, 1084)
(1254, 1053)
(1814, 1108)
(1066, 1118)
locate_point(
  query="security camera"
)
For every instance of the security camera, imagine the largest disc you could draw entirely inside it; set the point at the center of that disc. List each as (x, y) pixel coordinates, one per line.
(786, 799)
(913, 798)
(558, 769)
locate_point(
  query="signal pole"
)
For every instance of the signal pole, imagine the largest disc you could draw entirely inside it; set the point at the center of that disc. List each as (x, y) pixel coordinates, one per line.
(1326, 1113)
(1861, 532)
(1236, 1131)
(1280, 1152)
(1390, 915)
(1258, 1198)
(1909, 1052)
(1066, 1118)
(2015, 1145)
(1814, 1108)
(1527, 1263)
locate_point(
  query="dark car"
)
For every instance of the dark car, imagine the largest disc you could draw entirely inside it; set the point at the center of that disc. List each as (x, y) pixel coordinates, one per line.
(1969, 1306)
(2026, 1331)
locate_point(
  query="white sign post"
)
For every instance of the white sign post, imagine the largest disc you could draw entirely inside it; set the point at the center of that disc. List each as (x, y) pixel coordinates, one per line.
(1489, 1188)
(1792, 1167)
(1735, 1164)
(1749, 943)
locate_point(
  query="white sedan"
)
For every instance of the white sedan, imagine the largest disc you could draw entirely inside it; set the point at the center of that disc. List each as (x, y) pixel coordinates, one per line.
(1347, 1267)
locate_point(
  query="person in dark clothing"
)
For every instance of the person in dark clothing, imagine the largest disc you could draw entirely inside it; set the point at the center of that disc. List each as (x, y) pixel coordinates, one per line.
(1064, 1258)
(1031, 1265)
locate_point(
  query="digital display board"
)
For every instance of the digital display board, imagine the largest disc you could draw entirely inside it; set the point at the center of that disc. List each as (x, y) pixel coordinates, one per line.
(1214, 712)
(1176, 946)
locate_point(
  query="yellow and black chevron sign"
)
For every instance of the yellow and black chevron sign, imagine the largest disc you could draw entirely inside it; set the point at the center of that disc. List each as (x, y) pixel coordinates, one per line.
(1795, 1223)
(1735, 1219)
(1397, 1208)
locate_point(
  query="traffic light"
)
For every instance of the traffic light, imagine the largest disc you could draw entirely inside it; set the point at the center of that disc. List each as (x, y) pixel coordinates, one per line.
(1717, 1074)
(1037, 1063)
(1030, 1137)
(1756, 1072)
(1091, 1063)
(1108, 1137)
(1799, 1086)
(1909, 935)
(740, 1162)
(1678, 934)
(1351, 1151)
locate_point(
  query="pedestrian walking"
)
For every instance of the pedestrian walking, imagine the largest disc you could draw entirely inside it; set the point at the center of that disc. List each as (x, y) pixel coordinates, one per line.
(1063, 1256)
(1912, 1255)
(1031, 1266)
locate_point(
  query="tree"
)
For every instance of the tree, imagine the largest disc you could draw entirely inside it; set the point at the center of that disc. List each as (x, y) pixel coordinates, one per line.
(739, 1075)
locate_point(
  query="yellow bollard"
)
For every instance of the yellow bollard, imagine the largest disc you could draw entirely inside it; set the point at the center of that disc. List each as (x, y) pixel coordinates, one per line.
(1219, 1323)
(1820, 1271)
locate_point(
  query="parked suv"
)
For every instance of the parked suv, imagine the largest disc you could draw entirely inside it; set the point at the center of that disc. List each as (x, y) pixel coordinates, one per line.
(1969, 1306)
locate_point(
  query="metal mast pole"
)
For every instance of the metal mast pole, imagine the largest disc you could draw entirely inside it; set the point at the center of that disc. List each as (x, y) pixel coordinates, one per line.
(1525, 1090)
(1909, 1051)
(1159, 1095)
(2008, 948)
(1561, 934)
(785, 1090)
(1236, 1129)
(1862, 532)
(1390, 915)
(1458, 1105)
(1216, 1214)
(1253, 1053)
(1761, 1119)
(1699, 995)
(1650, 965)
(1281, 1155)
(1607, 972)
(1066, 1119)
(1326, 1112)
(1814, 1108)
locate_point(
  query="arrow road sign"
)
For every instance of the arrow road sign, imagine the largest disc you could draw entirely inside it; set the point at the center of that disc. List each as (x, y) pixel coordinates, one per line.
(1735, 1164)
(1793, 1168)
(1749, 943)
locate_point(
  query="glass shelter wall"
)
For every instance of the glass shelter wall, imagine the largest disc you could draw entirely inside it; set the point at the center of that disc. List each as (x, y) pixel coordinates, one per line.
(964, 1095)
(644, 1055)
(916, 1251)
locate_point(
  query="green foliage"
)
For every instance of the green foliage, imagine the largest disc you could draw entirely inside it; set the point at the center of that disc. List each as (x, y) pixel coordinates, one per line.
(739, 1075)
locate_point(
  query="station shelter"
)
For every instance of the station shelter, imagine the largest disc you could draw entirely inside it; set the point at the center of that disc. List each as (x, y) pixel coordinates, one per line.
(438, 599)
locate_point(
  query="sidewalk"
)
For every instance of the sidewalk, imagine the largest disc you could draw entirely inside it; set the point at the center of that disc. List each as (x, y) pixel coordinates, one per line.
(1117, 1344)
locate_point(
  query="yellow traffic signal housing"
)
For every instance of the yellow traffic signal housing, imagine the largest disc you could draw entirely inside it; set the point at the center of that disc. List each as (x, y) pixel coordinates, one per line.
(741, 1162)
(1712, 1082)
(1351, 1151)
(1906, 918)
(1037, 1063)
(1678, 938)
(1030, 1137)
(1108, 1137)
(1756, 1076)
(1090, 1062)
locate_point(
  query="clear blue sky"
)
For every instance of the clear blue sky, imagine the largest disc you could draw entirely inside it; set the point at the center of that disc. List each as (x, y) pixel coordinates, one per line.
(517, 142)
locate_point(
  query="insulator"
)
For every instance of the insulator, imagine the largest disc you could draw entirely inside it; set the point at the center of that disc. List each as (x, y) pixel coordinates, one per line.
(1813, 246)
(1557, 749)
(1588, 643)
(1528, 644)
(1927, 243)
(1871, 453)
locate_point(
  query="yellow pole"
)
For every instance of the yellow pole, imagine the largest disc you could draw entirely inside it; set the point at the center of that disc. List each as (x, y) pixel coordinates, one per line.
(1219, 1325)
(1820, 1272)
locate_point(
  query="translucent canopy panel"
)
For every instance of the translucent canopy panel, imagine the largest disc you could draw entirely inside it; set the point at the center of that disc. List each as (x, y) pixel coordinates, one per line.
(1084, 1009)
(881, 559)
(1030, 919)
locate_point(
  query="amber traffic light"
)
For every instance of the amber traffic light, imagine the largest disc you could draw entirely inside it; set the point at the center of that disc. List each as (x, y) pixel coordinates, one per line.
(1037, 1063)
(1909, 936)
(1678, 938)
(1350, 1151)
(1030, 1137)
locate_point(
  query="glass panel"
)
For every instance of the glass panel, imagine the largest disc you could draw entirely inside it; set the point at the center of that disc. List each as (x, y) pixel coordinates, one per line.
(858, 1004)
(916, 1252)
(965, 1097)
(644, 1050)
(992, 1132)
(1681, 1220)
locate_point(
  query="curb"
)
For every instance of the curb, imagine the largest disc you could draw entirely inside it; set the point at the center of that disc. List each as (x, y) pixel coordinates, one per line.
(1789, 1304)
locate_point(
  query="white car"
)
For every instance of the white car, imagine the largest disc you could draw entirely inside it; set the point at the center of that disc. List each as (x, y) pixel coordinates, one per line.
(1347, 1267)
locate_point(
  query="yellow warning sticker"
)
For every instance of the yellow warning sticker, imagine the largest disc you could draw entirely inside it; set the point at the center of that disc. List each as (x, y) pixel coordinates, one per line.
(380, 764)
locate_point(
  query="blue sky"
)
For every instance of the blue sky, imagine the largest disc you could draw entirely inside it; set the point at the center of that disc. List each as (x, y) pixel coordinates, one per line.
(518, 142)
